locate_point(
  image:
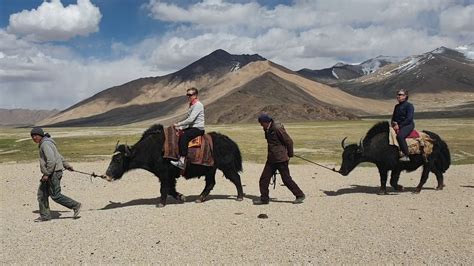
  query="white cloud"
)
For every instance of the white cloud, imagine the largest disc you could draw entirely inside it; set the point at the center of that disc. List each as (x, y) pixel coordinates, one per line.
(458, 20)
(305, 34)
(44, 77)
(51, 21)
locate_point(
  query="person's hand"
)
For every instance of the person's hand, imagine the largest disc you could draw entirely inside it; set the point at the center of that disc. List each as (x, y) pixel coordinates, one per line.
(69, 168)
(44, 178)
(396, 127)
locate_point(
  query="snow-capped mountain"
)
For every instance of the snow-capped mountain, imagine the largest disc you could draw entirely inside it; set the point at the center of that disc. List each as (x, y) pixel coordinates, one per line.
(342, 71)
(440, 70)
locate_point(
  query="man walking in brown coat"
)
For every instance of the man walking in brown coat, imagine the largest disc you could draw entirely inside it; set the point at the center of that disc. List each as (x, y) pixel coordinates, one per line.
(280, 149)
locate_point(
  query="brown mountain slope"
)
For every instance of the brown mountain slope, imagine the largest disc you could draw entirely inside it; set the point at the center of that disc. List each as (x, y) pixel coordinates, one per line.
(23, 117)
(314, 101)
(149, 91)
(272, 94)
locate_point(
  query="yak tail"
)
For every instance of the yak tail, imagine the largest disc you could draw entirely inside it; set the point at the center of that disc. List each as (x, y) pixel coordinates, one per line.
(444, 157)
(226, 152)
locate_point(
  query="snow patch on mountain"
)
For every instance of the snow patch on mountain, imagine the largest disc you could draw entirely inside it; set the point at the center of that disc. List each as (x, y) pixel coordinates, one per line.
(372, 65)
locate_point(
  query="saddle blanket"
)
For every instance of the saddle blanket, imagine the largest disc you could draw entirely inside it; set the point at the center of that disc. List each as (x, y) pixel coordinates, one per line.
(416, 145)
(199, 148)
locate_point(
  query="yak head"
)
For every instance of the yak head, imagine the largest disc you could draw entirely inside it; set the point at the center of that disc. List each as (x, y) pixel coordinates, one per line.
(351, 157)
(119, 163)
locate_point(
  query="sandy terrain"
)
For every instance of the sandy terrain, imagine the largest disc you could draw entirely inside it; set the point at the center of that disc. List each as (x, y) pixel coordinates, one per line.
(343, 220)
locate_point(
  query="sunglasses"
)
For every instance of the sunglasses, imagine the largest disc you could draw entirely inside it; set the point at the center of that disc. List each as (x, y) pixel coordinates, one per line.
(189, 95)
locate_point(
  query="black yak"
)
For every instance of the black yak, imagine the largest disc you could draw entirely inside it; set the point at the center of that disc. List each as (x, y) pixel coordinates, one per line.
(375, 148)
(147, 154)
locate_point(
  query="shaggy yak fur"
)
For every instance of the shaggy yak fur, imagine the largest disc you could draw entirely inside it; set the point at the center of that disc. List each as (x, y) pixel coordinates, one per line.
(147, 154)
(375, 148)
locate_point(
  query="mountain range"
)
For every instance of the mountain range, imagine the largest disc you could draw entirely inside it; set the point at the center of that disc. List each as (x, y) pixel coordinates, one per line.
(236, 88)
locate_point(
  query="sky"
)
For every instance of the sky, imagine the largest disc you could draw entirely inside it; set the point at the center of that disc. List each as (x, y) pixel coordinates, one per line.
(56, 53)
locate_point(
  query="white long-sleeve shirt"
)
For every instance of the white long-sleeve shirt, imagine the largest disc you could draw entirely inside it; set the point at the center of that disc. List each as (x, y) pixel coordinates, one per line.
(195, 117)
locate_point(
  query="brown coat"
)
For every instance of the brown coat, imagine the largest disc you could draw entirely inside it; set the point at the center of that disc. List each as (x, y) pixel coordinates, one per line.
(280, 144)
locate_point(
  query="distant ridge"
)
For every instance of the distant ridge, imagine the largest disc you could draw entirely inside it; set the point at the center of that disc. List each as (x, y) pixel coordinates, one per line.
(236, 88)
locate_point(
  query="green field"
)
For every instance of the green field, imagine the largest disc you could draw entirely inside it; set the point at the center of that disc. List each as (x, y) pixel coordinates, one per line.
(318, 141)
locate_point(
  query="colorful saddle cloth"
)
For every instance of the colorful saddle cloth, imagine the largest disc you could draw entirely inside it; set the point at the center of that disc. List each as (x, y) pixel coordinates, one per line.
(199, 148)
(418, 142)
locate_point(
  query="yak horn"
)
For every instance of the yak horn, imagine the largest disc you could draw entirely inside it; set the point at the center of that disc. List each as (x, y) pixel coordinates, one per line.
(361, 145)
(342, 143)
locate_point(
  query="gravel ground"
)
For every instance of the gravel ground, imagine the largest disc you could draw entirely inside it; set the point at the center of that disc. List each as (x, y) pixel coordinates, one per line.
(342, 220)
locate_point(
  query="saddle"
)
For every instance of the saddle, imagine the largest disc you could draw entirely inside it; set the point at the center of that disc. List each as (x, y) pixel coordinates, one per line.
(199, 148)
(418, 142)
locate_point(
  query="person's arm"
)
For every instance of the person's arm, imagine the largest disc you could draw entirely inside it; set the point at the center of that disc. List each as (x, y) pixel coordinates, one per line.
(286, 140)
(392, 122)
(195, 110)
(409, 116)
(66, 165)
(50, 163)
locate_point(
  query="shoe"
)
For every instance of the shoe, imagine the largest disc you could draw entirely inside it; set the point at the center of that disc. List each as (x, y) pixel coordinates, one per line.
(77, 210)
(260, 202)
(404, 159)
(299, 200)
(41, 219)
(178, 164)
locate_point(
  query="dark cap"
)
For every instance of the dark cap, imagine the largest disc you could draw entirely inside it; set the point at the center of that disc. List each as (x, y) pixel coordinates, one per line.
(37, 131)
(264, 118)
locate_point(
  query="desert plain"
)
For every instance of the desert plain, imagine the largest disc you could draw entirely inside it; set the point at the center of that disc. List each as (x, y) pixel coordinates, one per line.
(342, 221)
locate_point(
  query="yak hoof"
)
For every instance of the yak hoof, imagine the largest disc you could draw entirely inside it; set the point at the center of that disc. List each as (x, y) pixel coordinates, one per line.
(440, 187)
(239, 198)
(181, 198)
(160, 205)
(417, 191)
(383, 192)
(201, 199)
(399, 188)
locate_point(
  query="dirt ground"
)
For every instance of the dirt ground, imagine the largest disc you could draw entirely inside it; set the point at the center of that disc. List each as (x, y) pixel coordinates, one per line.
(342, 220)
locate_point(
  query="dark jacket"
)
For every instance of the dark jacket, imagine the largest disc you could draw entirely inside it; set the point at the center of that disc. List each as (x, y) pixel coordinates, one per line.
(280, 144)
(403, 114)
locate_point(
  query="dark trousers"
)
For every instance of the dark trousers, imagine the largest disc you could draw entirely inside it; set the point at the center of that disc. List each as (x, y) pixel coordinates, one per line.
(268, 171)
(401, 137)
(52, 188)
(188, 135)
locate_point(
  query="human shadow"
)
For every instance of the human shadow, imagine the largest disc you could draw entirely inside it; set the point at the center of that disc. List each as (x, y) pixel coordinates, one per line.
(56, 215)
(467, 186)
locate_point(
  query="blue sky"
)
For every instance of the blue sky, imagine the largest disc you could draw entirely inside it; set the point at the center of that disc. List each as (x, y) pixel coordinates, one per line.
(56, 53)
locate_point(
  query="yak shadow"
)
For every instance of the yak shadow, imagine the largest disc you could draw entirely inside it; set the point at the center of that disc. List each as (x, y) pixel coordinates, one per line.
(370, 190)
(169, 201)
(353, 189)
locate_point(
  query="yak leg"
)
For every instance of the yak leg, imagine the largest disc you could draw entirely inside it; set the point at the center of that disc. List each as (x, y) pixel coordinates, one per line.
(424, 177)
(383, 180)
(394, 177)
(173, 193)
(210, 182)
(234, 177)
(439, 177)
(167, 184)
